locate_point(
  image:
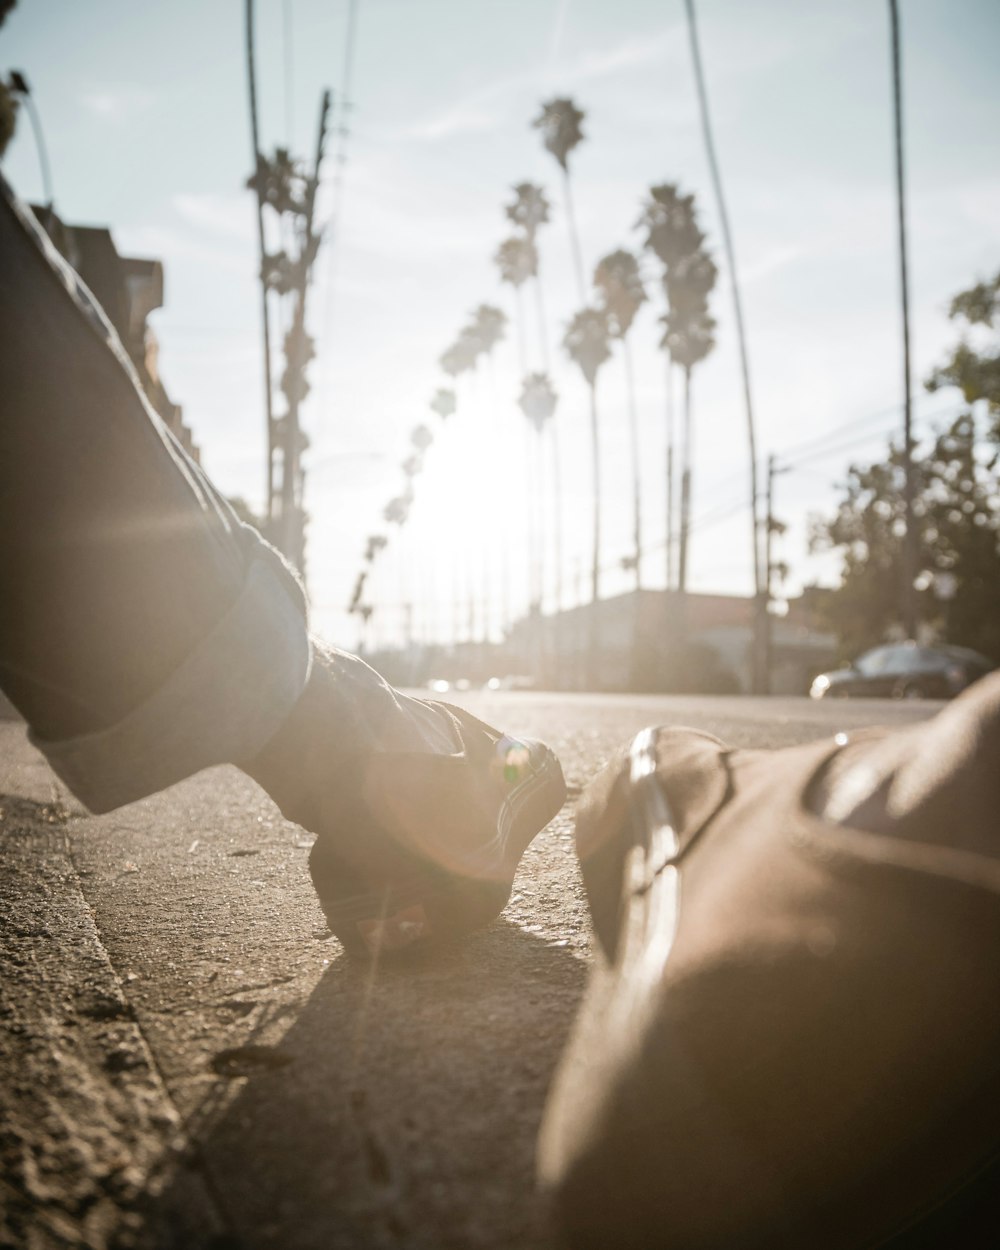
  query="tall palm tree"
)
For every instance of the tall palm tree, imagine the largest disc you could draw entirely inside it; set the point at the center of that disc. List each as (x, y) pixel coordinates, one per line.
(760, 591)
(689, 337)
(375, 544)
(530, 207)
(517, 260)
(488, 326)
(397, 512)
(529, 210)
(672, 235)
(537, 401)
(421, 438)
(443, 402)
(586, 343)
(560, 122)
(622, 294)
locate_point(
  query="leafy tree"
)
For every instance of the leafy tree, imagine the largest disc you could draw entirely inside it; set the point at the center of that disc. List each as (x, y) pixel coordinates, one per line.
(975, 373)
(957, 509)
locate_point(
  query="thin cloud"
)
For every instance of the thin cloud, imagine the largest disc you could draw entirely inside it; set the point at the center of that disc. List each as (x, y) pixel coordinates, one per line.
(228, 215)
(117, 104)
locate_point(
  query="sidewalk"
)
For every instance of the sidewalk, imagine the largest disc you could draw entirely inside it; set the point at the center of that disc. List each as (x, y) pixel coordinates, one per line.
(188, 1060)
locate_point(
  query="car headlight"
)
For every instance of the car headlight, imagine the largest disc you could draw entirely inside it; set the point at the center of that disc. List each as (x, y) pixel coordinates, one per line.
(819, 687)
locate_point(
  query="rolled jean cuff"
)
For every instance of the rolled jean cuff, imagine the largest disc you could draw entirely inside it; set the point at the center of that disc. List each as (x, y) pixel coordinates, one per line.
(223, 703)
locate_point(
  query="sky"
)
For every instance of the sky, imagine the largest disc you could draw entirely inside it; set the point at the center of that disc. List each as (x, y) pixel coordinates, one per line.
(144, 108)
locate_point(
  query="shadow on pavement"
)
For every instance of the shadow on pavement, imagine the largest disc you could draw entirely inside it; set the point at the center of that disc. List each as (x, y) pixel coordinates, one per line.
(398, 1108)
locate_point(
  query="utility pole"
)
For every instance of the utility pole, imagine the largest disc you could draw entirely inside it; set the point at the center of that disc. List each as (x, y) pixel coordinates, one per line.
(772, 526)
(908, 602)
(769, 575)
(265, 317)
(298, 352)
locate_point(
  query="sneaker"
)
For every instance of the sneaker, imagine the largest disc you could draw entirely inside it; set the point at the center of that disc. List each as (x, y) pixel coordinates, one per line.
(423, 811)
(791, 1036)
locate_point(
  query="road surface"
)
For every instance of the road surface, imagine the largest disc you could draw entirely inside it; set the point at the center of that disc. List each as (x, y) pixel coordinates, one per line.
(187, 1059)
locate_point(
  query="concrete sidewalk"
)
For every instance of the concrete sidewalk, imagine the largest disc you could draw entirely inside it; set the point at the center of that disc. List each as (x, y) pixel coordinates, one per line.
(188, 1060)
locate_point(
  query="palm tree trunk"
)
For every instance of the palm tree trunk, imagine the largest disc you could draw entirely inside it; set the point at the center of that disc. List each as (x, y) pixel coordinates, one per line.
(727, 240)
(595, 562)
(543, 343)
(670, 472)
(574, 238)
(557, 507)
(682, 563)
(633, 423)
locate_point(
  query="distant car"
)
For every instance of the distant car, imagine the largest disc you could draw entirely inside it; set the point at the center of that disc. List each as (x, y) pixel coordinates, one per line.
(905, 670)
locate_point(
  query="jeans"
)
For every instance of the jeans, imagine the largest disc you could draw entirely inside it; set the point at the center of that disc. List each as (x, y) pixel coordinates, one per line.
(145, 632)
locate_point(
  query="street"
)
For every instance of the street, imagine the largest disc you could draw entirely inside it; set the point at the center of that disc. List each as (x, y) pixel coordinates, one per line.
(188, 1060)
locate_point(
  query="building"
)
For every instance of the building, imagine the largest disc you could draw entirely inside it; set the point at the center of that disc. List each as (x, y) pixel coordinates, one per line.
(639, 641)
(128, 289)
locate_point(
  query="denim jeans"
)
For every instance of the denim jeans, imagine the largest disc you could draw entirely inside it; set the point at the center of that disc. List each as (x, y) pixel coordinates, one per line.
(145, 632)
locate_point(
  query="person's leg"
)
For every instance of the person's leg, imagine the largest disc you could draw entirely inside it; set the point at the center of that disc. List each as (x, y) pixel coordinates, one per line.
(147, 634)
(792, 1033)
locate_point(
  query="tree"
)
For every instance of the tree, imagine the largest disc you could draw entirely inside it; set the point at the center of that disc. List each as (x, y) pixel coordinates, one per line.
(443, 402)
(517, 260)
(622, 293)
(560, 122)
(282, 185)
(673, 235)
(976, 373)
(537, 402)
(530, 207)
(529, 210)
(689, 341)
(689, 336)
(586, 344)
(957, 512)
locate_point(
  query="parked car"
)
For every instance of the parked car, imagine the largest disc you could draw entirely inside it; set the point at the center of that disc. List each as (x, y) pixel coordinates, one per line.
(905, 670)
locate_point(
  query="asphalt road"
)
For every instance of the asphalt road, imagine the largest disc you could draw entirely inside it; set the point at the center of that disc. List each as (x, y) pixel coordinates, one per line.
(188, 1060)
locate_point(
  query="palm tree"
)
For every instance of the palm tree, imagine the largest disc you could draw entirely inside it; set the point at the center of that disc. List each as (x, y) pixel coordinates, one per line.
(421, 438)
(586, 343)
(443, 402)
(517, 260)
(672, 235)
(620, 286)
(560, 123)
(689, 337)
(537, 401)
(375, 544)
(487, 328)
(529, 210)
(760, 590)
